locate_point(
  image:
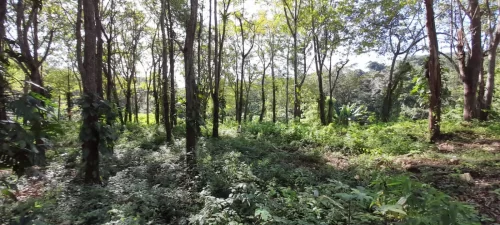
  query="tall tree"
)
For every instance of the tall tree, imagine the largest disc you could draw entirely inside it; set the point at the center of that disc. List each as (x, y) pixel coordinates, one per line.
(3, 82)
(404, 33)
(265, 65)
(493, 33)
(30, 60)
(166, 115)
(90, 133)
(244, 54)
(470, 62)
(171, 36)
(190, 83)
(292, 15)
(433, 74)
(219, 45)
(320, 44)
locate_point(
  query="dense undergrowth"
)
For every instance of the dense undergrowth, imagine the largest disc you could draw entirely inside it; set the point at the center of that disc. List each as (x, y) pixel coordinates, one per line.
(267, 174)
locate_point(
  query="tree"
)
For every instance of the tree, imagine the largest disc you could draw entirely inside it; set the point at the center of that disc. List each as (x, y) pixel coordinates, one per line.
(171, 36)
(29, 59)
(218, 64)
(250, 27)
(292, 14)
(265, 65)
(3, 81)
(89, 130)
(166, 115)
(404, 33)
(433, 74)
(493, 33)
(470, 62)
(190, 82)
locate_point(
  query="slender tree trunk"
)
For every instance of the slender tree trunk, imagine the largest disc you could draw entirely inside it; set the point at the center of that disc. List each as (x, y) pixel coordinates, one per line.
(147, 99)
(69, 105)
(3, 82)
(433, 75)
(287, 94)
(387, 104)
(136, 104)
(273, 79)
(117, 101)
(191, 98)
(330, 91)
(58, 107)
(319, 61)
(296, 88)
(173, 99)
(490, 83)
(263, 93)
(128, 101)
(215, 93)
(157, 92)
(236, 89)
(242, 71)
(490, 80)
(166, 115)
(100, 51)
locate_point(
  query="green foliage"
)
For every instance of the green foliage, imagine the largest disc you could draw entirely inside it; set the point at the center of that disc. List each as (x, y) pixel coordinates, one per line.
(93, 106)
(19, 141)
(350, 113)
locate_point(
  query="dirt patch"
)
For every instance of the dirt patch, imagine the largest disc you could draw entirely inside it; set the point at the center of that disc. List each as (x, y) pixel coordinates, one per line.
(448, 176)
(337, 161)
(489, 145)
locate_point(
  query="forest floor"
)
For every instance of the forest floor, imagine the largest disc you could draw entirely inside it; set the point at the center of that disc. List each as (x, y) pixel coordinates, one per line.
(145, 180)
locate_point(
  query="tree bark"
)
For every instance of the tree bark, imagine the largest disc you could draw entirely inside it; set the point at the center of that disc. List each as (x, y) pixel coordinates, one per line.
(190, 82)
(89, 79)
(3, 82)
(469, 72)
(243, 57)
(100, 50)
(433, 75)
(494, 37)
(166, 115)
(171, 36)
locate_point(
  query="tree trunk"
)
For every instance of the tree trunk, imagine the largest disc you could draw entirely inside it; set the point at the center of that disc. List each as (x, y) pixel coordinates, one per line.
(273, 79)
(147, 102)
(433, 75)
(215, 93)
(89, 79)
(490, 83)
(387, 104)
(242, 78)
(287, 94)
(100, 51)
(58, 107)
(166, 115)
(296, 88)
(191, 98)
(157, 91)
(173, 100)
(494, 37)
(3, 81)
(263, 93)
(469, 72)
(136, 104)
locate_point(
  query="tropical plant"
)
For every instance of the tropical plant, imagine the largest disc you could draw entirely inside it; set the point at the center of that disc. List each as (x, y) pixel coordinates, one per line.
(350, 113)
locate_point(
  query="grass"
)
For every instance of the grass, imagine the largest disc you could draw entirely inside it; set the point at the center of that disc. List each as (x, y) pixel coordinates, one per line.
(276, 174)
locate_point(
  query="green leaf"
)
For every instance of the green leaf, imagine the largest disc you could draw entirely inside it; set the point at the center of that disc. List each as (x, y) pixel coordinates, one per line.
(391, 208)
(263, 214)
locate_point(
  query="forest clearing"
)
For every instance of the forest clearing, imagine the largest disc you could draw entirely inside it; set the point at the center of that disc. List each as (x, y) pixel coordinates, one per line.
(249, 112)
